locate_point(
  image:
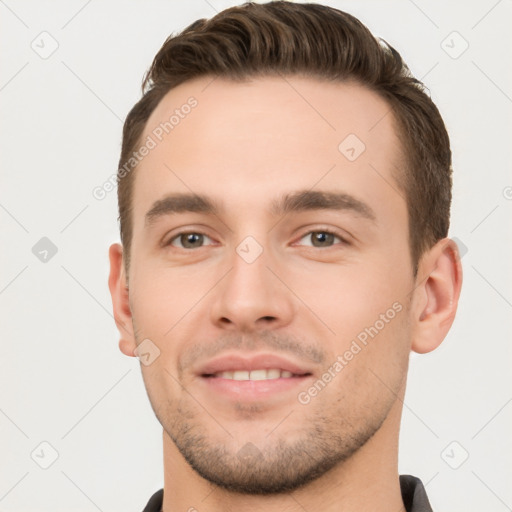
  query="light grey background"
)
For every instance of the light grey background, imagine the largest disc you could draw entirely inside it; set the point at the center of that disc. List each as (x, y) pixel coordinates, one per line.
(63, 380)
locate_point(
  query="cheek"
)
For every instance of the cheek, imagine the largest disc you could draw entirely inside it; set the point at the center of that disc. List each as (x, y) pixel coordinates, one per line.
(367, 308)
(372, 365)
(163, 298)
(350, 298)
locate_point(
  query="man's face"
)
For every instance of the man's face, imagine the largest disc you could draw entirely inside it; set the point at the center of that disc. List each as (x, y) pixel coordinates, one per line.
(281, 278)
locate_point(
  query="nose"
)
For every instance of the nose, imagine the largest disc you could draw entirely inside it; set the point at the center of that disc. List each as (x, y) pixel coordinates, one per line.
(252, 296)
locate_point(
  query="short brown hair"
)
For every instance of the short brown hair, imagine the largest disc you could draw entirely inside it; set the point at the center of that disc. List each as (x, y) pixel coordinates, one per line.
(320, 42)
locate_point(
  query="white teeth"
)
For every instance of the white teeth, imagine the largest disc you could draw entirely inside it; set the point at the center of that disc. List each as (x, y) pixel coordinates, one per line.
(258, 375)
(240, 375)
(273, 374)
(263, 374)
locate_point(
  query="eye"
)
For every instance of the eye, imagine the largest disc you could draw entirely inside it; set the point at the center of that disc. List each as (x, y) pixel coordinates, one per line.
(322, 238)
(190, 240)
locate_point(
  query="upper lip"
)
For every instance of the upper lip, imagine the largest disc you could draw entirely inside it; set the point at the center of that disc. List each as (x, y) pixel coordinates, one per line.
(232, 362)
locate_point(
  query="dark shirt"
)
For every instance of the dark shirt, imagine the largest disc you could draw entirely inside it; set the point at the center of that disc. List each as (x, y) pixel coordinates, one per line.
(413, 495)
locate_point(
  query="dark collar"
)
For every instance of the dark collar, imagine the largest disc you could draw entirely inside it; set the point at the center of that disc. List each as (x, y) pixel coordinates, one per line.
(413, 495)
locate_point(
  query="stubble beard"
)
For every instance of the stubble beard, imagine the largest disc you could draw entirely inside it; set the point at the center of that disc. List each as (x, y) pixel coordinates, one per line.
(279, 465)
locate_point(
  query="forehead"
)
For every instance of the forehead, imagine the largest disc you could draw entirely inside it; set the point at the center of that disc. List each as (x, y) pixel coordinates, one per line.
(241, 142)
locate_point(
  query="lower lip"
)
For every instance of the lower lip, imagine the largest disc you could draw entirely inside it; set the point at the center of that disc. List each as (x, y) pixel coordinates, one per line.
(254, 389)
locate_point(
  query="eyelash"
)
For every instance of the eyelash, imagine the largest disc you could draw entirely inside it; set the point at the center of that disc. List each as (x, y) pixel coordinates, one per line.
(343, 240)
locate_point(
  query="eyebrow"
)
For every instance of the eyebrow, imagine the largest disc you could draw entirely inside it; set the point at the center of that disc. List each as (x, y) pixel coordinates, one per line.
(302, 200)
(320, 200)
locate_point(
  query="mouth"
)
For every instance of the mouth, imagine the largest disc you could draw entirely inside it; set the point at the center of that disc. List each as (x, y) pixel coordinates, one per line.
(252, 378)
(259, 374)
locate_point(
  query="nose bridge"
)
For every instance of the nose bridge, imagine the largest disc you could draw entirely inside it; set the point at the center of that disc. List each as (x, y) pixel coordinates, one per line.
(251, 295)
(249, 266)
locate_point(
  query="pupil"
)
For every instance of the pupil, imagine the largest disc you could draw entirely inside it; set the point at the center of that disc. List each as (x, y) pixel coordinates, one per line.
(191, 239)
(323, 238)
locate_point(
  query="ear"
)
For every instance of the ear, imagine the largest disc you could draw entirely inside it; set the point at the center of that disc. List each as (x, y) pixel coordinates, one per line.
(436, 295)
(120, 300)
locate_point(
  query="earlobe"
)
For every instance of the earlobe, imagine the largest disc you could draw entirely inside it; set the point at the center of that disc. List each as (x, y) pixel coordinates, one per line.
(120, 300)
(436, 297)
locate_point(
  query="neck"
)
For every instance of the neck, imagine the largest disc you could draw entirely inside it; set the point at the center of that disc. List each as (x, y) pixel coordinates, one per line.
(368, 481)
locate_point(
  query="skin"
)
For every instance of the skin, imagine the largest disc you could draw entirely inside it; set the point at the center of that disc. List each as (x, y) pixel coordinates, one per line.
(245, 145)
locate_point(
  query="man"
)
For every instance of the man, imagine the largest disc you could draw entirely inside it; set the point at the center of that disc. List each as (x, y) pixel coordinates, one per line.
(284, 195)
